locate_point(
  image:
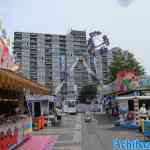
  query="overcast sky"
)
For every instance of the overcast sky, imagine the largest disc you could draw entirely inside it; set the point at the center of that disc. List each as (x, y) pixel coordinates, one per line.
(126, 22)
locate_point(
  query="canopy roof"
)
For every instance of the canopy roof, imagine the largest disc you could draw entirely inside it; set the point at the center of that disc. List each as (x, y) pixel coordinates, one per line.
(10, 80)
(132, 97)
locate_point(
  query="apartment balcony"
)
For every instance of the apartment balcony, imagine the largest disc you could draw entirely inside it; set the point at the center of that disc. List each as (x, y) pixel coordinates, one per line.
(47, 36)
(32, 47)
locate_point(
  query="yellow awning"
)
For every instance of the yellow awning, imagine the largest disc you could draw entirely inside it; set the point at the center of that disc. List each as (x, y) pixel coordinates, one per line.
(9, 80)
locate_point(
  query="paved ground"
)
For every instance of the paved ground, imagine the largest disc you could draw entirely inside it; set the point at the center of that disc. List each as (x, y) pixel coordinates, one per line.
(46, 142)
(69, 133)
(75, 134)
(98, 134)
(95, 134)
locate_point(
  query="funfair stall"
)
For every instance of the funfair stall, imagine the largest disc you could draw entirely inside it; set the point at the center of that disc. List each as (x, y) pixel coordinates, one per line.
(42, 109)
(133, 93)
(15, 119)
(134, 104)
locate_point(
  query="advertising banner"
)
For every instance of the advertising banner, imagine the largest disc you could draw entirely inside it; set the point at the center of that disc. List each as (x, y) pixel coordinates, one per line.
(127, 81)
(62, 66)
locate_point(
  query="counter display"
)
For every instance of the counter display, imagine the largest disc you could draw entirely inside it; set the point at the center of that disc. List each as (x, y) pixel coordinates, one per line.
(14, 133)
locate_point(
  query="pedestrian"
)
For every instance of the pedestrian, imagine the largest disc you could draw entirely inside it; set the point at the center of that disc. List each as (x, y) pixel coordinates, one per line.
(143, 109)
(115, 111)
(58, 113)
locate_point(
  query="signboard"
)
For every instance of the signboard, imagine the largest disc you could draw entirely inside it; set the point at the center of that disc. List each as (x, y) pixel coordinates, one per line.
(6, 60)
(127, 81)
(38, 97)
(144, 83)
(62, 67)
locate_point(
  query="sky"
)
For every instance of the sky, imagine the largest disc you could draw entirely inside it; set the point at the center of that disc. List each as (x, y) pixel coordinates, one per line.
(126, 22)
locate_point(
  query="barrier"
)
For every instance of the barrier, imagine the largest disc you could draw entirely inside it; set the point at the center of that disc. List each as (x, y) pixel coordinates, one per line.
(42, 122)
(39, 123)
(3, 145)
(7, 141)
(147, 128)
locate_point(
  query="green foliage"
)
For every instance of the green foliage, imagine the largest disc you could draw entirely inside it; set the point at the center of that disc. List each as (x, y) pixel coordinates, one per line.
(88, 93)
(123, 60)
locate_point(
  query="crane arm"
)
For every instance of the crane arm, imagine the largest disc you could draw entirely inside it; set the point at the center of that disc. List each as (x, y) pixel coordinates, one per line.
(90, 71)
(71, 70)
(58, 88)
(73, 66)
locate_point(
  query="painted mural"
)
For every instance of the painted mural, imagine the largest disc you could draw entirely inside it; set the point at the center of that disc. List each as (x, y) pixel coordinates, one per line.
(127, 81)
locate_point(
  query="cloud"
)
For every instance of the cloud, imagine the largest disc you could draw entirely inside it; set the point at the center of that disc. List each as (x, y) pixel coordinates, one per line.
(125, 3)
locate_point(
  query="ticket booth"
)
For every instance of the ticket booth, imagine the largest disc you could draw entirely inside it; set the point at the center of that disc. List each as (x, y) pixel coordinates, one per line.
(41, 107)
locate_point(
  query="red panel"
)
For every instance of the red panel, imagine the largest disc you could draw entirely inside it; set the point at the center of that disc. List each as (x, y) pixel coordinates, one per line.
(5, 53)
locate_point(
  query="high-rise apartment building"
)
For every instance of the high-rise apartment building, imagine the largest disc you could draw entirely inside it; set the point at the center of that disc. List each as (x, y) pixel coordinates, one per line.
(81, 76)
(34, 55)
(48, 58)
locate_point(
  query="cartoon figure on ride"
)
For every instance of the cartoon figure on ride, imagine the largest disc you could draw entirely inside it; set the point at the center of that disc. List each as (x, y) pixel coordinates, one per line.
(127, 80)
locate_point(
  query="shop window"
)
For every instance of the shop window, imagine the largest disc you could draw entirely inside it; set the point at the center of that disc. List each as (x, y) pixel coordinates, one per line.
(37, 109)
(51, 107)
(146, 102)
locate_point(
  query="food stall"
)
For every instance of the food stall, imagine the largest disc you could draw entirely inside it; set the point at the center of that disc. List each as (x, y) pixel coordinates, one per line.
(15, 119)
(133, 104)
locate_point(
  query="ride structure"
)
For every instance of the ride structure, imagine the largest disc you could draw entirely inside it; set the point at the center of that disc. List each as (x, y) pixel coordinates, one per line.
(70, 104)
(97, 45)
(95, 49)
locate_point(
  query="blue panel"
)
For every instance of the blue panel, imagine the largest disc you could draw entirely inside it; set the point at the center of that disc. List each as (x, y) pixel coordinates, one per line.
(146, 123)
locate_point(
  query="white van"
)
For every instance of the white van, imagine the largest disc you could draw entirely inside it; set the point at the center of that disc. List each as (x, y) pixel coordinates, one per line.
(70, 106)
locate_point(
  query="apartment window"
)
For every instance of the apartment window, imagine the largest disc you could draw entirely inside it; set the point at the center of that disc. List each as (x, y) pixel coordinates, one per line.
(33, 43)
(48, 40)
(48, 35)
(18, 35)
(33, 35)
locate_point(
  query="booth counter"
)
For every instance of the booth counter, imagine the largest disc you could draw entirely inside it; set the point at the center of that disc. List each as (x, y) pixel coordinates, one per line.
(15, 131)
(15, 127)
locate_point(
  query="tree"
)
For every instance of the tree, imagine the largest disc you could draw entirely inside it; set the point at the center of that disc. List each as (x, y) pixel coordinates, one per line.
(123, 60)
(88, 93)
